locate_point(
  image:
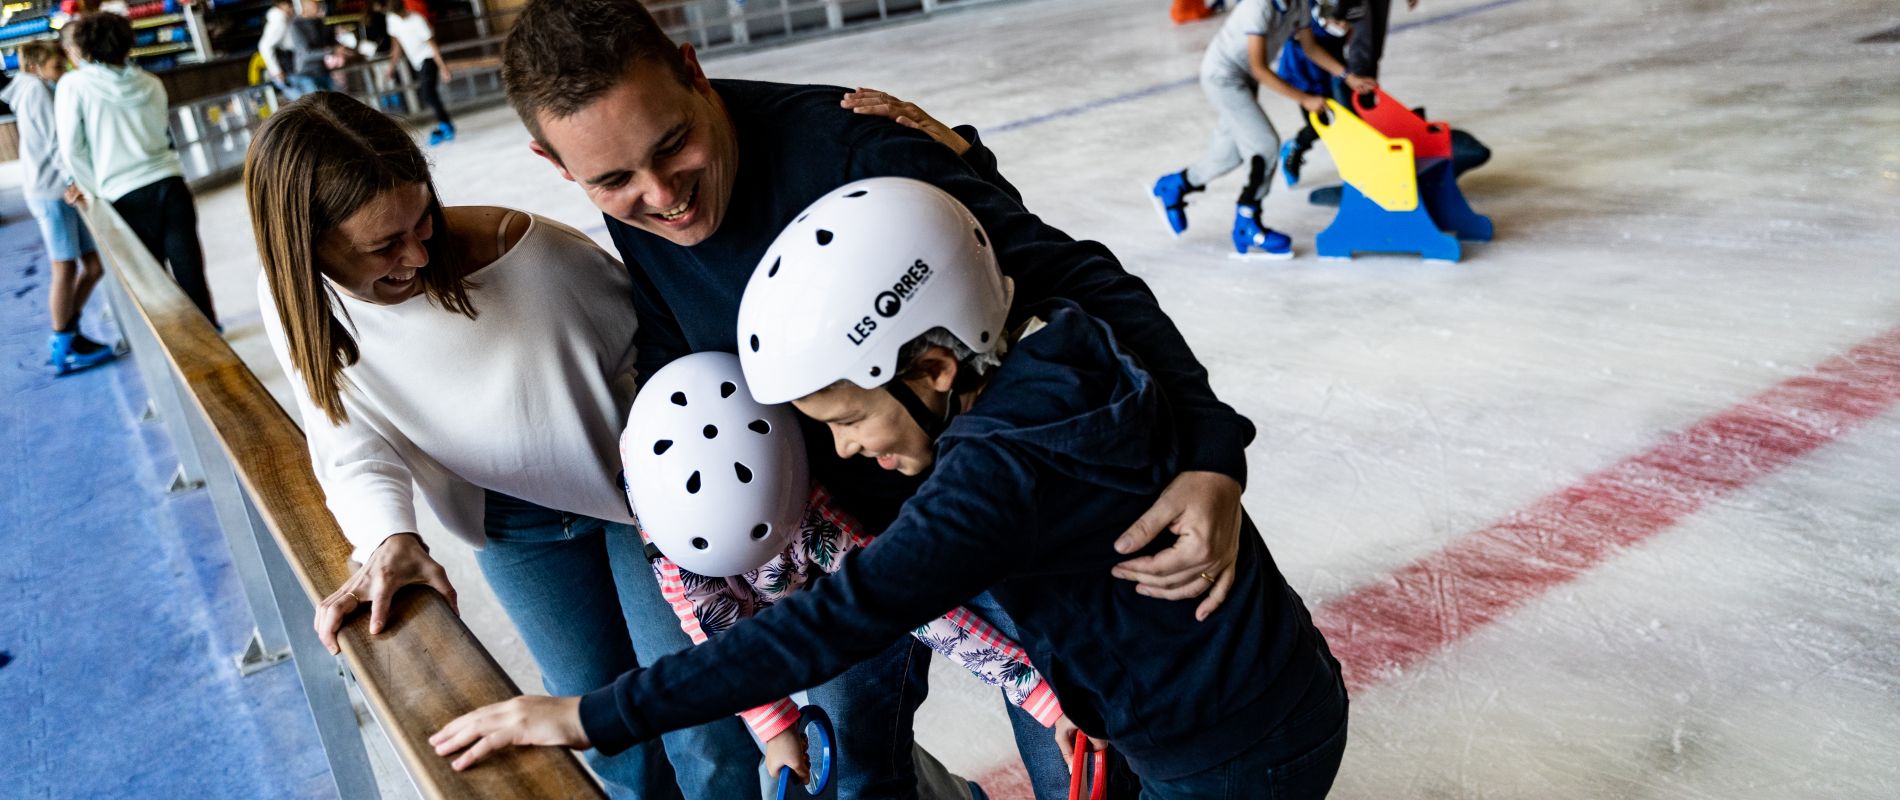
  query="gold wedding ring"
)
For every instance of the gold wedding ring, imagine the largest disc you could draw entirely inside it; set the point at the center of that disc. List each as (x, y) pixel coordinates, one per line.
(1208, 578)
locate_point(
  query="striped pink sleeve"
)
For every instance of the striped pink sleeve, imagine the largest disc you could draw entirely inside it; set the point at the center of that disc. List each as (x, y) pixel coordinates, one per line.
(1034, 694)
(766, 721)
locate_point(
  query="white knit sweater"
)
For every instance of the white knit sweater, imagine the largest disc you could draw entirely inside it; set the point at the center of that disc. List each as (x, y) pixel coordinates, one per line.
(526, 399)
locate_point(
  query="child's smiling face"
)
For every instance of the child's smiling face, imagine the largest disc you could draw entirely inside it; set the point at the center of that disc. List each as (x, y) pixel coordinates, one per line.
(870, 423)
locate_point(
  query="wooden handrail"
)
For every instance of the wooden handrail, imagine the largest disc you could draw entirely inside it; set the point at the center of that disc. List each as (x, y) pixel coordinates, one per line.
(425, 668)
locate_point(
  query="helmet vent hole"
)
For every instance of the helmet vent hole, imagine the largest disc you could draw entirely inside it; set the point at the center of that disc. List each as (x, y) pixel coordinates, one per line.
(773, 271)
(859, 193)
(760, 426)
(980, 241)
(679, 398)
(710, 431)
(700, 544)
(692, 483)
(660, 447)
(824, 237)
(745, 475)
(728, 387)
(755, 343)
(760, 531)
(876, 371)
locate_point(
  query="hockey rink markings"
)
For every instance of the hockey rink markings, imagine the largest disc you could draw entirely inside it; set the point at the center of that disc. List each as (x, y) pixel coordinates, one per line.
(1161, 88)
(1423, 608)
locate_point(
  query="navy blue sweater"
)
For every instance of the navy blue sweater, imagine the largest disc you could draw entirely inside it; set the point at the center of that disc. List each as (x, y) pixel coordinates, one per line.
(796, 144)
(1066, 447)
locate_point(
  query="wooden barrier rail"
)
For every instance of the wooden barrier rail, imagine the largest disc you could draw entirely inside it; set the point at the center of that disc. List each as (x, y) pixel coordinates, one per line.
(425, 669)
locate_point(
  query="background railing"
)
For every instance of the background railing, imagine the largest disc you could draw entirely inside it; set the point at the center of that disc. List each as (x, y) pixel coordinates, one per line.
(236, 443)
(212, 133)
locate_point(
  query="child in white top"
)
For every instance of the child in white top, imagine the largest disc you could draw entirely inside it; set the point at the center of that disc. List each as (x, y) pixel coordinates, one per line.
(411, 36)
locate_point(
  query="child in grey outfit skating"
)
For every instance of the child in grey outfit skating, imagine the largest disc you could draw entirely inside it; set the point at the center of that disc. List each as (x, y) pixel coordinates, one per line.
(1238, 62)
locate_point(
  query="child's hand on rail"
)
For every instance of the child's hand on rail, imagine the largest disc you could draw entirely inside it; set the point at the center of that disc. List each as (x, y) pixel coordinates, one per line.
(521, 721)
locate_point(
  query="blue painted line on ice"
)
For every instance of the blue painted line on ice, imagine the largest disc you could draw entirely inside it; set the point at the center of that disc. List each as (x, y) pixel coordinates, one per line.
(1159, 88)
(1095, 104)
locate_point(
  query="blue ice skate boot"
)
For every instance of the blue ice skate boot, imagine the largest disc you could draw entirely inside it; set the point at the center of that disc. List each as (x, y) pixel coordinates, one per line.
(1170, 194)
(443, 132)
(1253, 242)
(66, 360)
(1291, 159)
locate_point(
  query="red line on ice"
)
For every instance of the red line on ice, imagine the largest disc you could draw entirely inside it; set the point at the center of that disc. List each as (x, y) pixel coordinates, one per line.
(1428, 605)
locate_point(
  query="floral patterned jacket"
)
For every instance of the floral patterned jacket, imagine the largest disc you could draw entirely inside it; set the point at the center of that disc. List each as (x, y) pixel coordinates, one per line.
(707, 607)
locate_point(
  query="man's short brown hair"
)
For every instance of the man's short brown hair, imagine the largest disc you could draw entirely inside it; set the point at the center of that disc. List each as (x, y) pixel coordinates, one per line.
(564, 54)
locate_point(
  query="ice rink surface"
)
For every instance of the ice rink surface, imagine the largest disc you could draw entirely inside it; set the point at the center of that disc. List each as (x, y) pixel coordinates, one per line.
(1578, 513)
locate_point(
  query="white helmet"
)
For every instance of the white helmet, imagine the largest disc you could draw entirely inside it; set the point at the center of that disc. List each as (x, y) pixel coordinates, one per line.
(718, 481)
(864, 270)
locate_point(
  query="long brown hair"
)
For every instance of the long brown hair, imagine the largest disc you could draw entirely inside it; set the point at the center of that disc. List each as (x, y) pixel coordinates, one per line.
(313, 164)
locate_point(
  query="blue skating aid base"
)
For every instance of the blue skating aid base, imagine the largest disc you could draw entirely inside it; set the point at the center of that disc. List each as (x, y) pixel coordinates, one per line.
(1362, 226)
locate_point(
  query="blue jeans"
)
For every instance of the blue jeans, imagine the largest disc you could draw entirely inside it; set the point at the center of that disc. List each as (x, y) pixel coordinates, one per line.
(66, 239)
(1297, 762)
(872, 706)
(585, 600)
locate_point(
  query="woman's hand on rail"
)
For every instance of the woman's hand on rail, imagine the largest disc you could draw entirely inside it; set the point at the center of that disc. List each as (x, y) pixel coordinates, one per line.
(521, 721)
(401, 560)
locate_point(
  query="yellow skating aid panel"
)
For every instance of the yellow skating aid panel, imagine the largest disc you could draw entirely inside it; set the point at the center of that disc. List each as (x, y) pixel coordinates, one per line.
(1381, 168)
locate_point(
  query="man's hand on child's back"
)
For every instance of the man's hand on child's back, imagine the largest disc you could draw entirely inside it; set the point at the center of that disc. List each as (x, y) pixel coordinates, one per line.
(1203, 511)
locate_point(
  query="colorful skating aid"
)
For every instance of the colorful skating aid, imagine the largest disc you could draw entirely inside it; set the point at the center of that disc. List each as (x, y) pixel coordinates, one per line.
(820, 750)
(1431, 145)
(1380, 210)
(1392, 118)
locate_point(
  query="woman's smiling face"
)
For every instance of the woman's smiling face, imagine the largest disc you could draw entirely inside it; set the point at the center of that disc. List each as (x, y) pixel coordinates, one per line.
(375, 255)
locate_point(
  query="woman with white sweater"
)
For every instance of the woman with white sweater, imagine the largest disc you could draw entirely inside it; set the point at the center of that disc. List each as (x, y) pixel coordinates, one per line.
(482, 358)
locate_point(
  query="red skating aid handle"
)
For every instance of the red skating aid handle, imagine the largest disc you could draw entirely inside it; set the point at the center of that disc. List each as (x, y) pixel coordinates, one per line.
(1099, 788)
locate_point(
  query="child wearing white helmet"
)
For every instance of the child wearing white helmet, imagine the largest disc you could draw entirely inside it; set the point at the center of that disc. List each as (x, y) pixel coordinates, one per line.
(719, 486)
(881, 313)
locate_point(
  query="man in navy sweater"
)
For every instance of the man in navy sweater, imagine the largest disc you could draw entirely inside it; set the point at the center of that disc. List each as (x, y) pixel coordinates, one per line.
(696, 176)
(1042, 437)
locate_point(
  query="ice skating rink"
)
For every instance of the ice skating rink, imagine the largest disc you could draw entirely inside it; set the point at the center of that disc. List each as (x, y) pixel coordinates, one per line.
(1609, 509)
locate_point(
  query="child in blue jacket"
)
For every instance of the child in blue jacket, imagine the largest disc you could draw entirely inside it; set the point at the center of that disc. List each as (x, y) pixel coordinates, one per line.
(880, 312)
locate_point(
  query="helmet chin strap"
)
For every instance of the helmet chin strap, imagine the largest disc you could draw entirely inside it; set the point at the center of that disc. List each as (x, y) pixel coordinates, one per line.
(933, 423)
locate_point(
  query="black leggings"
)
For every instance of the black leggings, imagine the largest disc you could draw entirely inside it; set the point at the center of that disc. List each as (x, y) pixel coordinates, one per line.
(162, 216)
(428, 84)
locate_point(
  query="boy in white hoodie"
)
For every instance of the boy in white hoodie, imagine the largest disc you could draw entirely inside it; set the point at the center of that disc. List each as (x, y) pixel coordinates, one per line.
(67, 242)
(114, 134)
